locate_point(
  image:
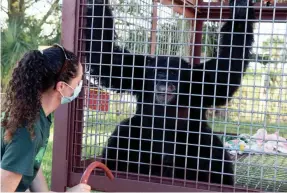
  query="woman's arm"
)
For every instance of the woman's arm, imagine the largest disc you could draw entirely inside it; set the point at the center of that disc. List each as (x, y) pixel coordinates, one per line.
(39, 184)
(9, 181)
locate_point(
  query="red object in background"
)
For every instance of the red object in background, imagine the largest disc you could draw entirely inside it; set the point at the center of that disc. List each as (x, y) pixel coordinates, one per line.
(98, 100)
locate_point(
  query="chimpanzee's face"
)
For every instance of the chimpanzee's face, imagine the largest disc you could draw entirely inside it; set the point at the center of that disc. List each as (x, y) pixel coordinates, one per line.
(165, 76)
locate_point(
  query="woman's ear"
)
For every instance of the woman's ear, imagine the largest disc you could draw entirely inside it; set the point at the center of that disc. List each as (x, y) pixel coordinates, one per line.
(60, 86)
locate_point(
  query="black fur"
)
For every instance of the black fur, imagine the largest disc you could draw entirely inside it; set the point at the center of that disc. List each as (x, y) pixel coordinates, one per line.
(156, 121)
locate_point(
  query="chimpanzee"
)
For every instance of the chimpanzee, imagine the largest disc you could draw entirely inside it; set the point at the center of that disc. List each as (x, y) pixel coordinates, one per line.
(169, 135)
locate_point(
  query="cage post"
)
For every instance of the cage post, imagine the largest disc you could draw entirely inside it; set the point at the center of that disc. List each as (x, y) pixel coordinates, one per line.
(197, 42)
(63, 122)
(179, 8)
(76, 132)
(188, 12)
(153, 28)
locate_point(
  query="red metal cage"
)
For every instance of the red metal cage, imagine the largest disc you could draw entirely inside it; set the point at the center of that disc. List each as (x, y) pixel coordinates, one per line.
(68, 162)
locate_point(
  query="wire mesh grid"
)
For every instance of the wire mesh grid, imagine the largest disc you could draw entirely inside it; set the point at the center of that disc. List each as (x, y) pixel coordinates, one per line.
(149, 109)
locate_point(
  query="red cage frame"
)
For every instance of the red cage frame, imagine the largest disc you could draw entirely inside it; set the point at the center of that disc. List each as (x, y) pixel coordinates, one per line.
(67, 138)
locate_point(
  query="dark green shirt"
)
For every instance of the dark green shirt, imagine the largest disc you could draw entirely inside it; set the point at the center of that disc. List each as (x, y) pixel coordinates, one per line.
(23, 155)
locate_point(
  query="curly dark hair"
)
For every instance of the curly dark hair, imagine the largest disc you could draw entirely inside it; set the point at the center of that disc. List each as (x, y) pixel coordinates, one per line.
(34, 74)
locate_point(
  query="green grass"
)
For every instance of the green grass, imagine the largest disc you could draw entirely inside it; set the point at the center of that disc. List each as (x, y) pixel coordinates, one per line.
(97, 131)
(47, 160)
(257, 171)
(247, 128)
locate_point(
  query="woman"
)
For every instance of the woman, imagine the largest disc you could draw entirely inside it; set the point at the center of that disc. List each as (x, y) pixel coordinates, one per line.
(40, 83)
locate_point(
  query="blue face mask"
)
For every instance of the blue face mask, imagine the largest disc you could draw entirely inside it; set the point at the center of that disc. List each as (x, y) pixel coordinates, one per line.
(77, 91)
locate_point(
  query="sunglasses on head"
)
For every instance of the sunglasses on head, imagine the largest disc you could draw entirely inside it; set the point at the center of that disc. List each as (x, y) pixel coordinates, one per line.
(64, 66)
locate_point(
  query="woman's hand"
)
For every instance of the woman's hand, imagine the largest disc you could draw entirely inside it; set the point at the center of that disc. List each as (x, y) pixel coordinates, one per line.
(80, 188)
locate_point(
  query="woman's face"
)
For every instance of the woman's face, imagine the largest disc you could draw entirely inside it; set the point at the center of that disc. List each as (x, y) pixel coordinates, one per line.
(66, 90)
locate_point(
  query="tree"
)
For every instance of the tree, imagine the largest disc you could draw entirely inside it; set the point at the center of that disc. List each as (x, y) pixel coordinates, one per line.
(24, 32)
